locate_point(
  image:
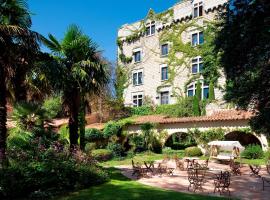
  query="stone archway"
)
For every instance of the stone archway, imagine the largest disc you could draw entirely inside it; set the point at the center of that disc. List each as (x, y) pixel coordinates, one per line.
(245, 139)
(179, 140)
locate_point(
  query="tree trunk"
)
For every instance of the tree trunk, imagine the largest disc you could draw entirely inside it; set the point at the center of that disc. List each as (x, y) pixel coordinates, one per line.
(3, 118)
(74, 105)
(82, 123)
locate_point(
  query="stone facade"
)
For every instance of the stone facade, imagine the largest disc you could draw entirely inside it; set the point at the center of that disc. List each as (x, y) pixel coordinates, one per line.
(152, 62)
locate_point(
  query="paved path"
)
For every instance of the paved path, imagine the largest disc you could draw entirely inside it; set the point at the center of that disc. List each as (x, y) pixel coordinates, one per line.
(244, 187)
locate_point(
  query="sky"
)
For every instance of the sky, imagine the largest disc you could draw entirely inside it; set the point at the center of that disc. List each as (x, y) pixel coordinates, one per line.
(100, 19)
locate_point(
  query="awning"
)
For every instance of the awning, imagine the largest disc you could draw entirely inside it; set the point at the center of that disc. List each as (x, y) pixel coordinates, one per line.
(228, 145)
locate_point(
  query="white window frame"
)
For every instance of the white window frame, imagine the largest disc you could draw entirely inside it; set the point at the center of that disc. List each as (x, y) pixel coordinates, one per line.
(197, 6)
(193, 88)
(198, 62)
(161, 67)
(198, 38)
(152, 29)
(134, 57)
(137, 78)
(161, 53)
(168, 92)
(136, 97)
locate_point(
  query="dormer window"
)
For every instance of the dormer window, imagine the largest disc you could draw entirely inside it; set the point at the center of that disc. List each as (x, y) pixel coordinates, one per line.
(198, 9)
(150, 28)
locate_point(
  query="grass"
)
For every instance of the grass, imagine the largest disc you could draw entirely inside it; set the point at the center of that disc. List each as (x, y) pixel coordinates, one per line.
(141, 157)
(122, 188)
(252, 161)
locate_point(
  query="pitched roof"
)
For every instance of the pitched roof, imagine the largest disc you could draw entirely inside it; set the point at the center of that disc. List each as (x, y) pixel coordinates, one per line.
(222, 115)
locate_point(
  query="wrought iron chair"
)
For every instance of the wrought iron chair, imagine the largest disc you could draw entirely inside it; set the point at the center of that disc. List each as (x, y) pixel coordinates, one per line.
(254, 170)
(235, 168)
(266, 180)
(196, 178)
(179, 164)
(222, 183)
(137, 170)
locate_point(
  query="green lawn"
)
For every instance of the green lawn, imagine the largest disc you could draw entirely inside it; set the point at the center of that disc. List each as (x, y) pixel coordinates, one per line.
(122, 188)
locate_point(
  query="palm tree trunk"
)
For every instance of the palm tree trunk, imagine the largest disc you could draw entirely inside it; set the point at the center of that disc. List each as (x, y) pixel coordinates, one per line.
(73, 118)
(82, 123)
(3, 118)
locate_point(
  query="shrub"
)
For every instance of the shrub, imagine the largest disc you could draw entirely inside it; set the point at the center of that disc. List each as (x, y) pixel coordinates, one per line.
(111, 128)
(93, 134)
(252, 152)
(52, 106)
(102, 154)
(267, 155)
(193, 151)
(90, 146)
(64, 133)
(156, 146)
(116, 149)
(143, 110)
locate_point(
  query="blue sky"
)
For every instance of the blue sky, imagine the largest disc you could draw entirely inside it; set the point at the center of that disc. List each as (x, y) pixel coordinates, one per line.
(100, 19)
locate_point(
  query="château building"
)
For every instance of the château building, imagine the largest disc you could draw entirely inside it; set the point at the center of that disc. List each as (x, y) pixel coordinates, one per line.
(150, 62)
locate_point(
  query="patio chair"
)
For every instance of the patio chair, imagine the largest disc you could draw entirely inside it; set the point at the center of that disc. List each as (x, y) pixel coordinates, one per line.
(235, 168)
(222, 183)
(196, 178)
(266, 180)
(254, 170)
(205, 164)
(137, 170)
(162, 168)
(179, 164)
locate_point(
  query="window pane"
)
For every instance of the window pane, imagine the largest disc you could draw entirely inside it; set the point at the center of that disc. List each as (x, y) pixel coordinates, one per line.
(140, 96)
(194, 39)
(164, 98)
(195, 12)
(153, 29)
(139, 78)
(140, 102)
(190, 93)
(206, 93)
(137, 56)
(201, 39)
(200, 10)
(194, 68)
(164, 73)
(164, 49)
(200, 67)
(135, 80)
(148, 31)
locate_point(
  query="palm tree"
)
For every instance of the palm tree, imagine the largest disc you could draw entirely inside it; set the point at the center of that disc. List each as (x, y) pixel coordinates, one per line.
(17, 44)
(82, 71)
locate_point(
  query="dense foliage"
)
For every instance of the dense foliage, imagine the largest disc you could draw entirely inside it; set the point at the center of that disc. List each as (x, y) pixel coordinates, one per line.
(193, 151)
(243, 41)
(253, 152)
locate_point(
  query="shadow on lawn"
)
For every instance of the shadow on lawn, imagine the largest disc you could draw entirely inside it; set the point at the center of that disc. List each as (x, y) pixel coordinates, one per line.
(122, 188)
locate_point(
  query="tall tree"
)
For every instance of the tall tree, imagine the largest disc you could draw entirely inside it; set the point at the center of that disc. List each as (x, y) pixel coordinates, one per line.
(82, 71)
(243, 41)
(16, 39)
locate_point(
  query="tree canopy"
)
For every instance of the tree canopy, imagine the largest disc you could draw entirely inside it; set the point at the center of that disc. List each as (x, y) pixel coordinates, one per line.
(243, 41)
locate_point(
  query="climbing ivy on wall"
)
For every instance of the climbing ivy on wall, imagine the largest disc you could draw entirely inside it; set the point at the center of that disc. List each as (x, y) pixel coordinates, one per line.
(180, 52)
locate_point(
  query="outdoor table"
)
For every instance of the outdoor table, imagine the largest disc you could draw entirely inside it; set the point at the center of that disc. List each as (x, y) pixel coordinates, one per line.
(149, 166)
(190, 161)
(170, 171)
(215, 172)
